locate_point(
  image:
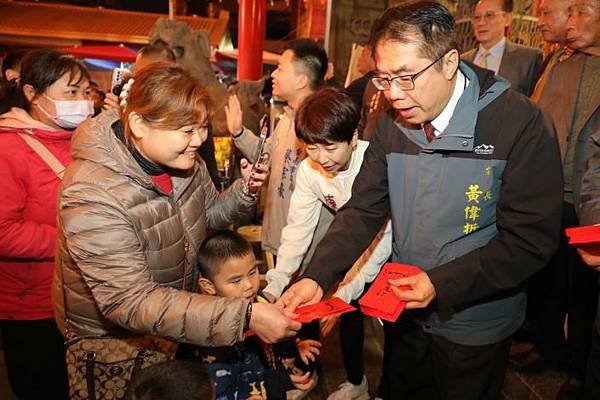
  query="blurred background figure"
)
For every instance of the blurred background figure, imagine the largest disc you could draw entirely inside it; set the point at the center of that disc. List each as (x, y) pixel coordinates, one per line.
(570, 98)
(547, 290)
(552, 21)
(491, 20)
(366, 66)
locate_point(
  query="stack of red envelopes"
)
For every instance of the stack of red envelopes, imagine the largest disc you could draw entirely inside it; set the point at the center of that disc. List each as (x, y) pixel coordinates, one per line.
(325, 308)
(584, 235)
(380, 301)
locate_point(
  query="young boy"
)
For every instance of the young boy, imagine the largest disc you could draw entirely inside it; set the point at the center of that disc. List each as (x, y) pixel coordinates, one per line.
(326, 122)
(251, 369)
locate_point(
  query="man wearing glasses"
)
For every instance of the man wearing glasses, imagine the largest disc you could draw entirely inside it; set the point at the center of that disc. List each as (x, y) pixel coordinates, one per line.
(519, 64)
(466, 169)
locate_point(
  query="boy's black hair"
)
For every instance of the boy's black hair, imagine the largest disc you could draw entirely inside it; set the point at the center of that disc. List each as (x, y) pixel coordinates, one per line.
(327, 116)
(172, 380)
(217, 248)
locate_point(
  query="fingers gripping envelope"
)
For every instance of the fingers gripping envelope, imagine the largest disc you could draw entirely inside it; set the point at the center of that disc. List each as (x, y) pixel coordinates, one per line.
(380, 301)
(586, 237)
(325, 308)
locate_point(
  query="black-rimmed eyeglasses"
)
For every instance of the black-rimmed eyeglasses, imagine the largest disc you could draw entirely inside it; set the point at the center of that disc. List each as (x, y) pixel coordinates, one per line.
(403, 82)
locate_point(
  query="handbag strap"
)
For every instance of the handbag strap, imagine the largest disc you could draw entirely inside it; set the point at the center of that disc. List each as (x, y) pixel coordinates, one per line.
(45, 154)
(59, 170)
(89, 359)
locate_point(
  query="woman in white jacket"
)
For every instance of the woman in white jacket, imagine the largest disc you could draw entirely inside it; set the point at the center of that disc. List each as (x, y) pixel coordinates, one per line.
(326, 122)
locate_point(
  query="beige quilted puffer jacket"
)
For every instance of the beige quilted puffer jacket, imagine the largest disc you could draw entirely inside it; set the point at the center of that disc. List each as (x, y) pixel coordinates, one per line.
(126, 249)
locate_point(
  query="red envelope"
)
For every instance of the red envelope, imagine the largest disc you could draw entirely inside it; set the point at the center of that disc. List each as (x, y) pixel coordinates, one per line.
(332, 306)
(387, 316)
(380, 301)
(584, 235)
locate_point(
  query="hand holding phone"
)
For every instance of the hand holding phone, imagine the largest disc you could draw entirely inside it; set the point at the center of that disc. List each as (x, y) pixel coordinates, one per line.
(119, 77)
(258, 155)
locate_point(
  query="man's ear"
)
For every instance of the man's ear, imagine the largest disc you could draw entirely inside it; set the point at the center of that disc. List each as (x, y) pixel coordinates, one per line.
(136, 123)
(508, 20)
(302, 81)
(29, 92)
(450, 63)
(207, 286)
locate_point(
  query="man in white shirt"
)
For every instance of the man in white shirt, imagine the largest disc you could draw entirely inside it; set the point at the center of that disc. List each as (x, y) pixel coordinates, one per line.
(518, 64)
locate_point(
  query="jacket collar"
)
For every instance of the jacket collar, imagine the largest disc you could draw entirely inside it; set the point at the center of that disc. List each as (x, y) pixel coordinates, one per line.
(482, 89)
(21, 119)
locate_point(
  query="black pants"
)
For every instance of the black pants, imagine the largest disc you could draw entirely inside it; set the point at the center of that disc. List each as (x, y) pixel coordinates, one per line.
(35, 359)
(592, 378)
(419, 366)
(566, 285)
(352, 336)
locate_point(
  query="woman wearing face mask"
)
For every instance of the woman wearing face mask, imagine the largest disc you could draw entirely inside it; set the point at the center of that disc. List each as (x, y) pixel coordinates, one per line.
(134, 208)
(45, 105)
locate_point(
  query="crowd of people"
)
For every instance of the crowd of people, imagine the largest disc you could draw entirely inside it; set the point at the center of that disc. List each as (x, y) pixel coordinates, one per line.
(118, 260)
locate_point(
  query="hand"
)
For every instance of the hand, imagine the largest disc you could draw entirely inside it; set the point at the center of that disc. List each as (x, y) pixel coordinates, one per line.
(304, 292)
(255, 178)
(302, 382)
(233, 112)
(421, 293)
(111, 101)
(271, 323)
(590, 256)
(308, 349)
(328, 323)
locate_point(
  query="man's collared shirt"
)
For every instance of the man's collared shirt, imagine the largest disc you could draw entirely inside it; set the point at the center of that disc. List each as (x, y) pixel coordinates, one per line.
(443, 119)
(494, 57)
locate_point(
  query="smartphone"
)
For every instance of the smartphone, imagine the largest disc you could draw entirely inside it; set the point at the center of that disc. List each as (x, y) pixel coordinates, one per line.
(264, 131)
(118, 80)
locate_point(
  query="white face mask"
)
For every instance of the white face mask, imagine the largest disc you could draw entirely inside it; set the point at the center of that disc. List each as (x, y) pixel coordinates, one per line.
(69, 114)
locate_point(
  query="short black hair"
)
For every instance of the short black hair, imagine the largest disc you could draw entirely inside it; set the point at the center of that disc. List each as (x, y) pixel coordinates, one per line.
(218, 248)
(326, 116)
(311, 58)
(172, 380)
(12, 60)
(426, 23)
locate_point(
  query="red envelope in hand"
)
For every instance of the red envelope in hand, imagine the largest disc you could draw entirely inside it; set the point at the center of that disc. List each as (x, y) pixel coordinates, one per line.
(380, 301)
(332, 306)
(584, 235)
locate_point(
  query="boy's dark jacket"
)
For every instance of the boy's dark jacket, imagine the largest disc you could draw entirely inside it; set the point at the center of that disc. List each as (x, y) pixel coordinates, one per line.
(478, 208)
(276, 375)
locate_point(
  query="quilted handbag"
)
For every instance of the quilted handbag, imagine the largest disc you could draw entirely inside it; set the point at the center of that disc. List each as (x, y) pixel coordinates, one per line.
(101, 367)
